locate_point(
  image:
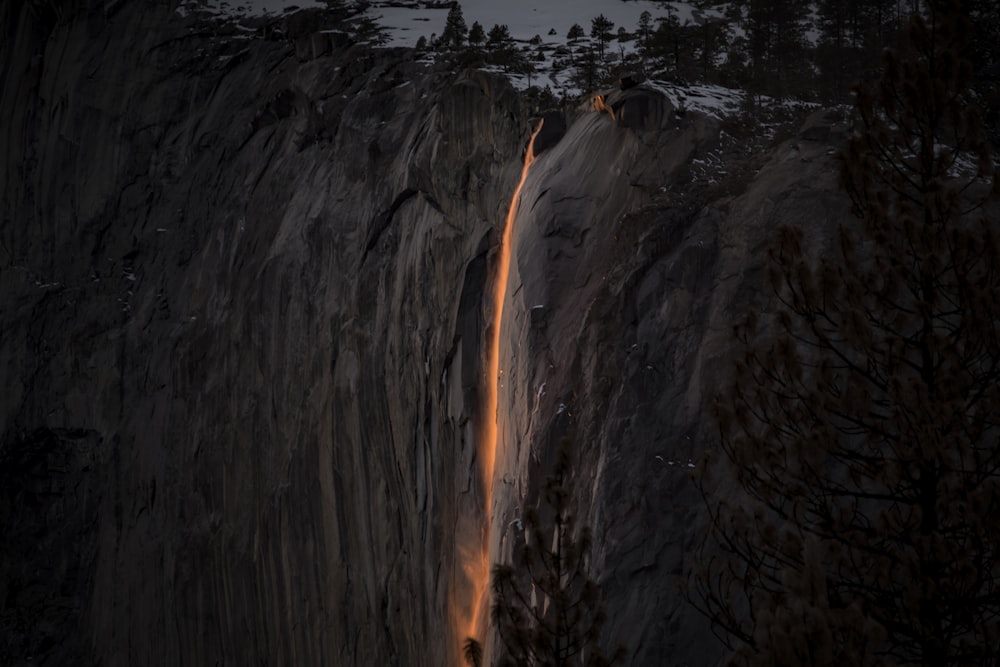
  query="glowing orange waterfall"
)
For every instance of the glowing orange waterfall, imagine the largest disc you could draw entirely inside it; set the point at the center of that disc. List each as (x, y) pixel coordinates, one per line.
(469, 619)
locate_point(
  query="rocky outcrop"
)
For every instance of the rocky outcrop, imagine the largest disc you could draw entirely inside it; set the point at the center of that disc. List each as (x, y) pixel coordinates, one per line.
(242, 278)
(619, 331)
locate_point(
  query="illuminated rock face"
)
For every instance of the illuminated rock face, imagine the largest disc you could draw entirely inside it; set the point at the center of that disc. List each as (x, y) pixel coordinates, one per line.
(574, 364)
(618, 330)
(241, 329)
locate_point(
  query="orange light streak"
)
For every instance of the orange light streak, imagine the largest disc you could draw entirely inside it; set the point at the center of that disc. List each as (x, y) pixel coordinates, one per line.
(470, 621)
(600, 105)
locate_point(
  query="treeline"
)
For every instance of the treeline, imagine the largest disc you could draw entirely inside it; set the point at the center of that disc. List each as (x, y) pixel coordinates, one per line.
(789, 48)
(853, 516)
(476, 46)
(811, 51)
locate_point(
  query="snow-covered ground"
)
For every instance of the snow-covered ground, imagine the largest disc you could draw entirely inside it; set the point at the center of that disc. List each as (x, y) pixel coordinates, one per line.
(406, 21)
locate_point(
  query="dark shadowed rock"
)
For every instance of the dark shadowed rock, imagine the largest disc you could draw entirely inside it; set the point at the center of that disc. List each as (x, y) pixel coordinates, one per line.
(258, 282)
(640, 108)
(50, 494)
(242, 288)
(553, 129)
(637, 304)
(628, 81)
(825, 126)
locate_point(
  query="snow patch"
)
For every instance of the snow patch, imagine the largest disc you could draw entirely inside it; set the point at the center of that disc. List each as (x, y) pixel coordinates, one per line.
(710, 100)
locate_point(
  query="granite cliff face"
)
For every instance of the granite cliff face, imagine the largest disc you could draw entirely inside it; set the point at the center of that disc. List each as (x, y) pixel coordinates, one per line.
(619, 331)
(242, 314)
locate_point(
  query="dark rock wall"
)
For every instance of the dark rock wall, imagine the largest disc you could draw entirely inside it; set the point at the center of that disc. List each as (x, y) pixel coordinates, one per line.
(241, 317)
(254, 282)
(631, 264)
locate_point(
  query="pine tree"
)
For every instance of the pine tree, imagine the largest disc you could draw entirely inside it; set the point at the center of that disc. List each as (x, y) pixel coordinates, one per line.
(498, 36)
(503, 50)
(477, 36)
(837, 53)
(666, 43)
(472, 651)
(984, 52)
(852, 34)
(776, 33)
(545, 605)
(863, 427)
(368, 30)
(586, 68)
(644, 34)
(711, 40)
(645, 26)
(600, 29)
(525, 66)
(455, 30)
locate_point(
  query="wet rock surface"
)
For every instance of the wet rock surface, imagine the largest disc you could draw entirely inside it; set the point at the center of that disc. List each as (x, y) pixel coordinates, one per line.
(242, 306)
(619, 331)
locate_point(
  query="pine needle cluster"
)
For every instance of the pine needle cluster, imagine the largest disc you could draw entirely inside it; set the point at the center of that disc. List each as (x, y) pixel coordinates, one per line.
(546, 605)
(863, 425)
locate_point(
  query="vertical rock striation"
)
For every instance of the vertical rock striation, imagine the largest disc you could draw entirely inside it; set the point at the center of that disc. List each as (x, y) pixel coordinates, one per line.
(252, 280)
(242, 300)
(629, 269)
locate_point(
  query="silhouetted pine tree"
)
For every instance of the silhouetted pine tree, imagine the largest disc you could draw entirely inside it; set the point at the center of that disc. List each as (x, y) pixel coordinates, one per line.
(776, 39)
(502, 49)
(666, 43)
(838, 54)
(710, 36)
(586, 70)
(864, 421)
(455, 29)
(472, 651)
(477, 35)
(645, 26)
(600, 29)
(852, 34)
(545, 605)
(984, 52)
